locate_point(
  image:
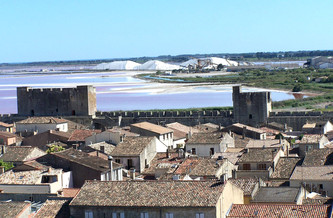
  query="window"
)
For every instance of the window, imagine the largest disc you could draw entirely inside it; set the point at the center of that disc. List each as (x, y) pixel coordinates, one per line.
(250, 116)
(118, 215)
(211, 151)
(102, 148)
(117, 160)
(199, 215)
(88, 214)
(321, 186)
(49, 179)
(129, 163)
(246, 166)
(169, 215)
(144, 215)
(261, 166)
(194, 151)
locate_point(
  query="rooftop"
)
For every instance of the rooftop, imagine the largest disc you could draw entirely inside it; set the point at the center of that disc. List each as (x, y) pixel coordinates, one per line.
(87, 160)
(311, 138)
(248, 128)
(152, 127)
(181, 127)
(132, 146)
(187, 166)
(52, 208)
(268, 143)
(21, 153)
(276, 195)
(160, 159)
(42, 120)
(318, 157)
(108, 148)
(246, 184)
(278, 211)
(122, 131)
(31, 177)
(6, 124)
(285, 167)
(258, 155)
(12, 208)
(206, 168)
(321, 173)
(206, 138)
(231, 156)
(7, 134)
(80, 135)
(149, 194)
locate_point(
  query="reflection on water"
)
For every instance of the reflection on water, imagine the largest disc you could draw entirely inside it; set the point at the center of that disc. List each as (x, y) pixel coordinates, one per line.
(120, 91)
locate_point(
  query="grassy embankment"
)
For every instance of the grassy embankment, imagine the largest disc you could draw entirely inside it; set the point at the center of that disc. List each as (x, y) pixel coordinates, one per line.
(287, 80)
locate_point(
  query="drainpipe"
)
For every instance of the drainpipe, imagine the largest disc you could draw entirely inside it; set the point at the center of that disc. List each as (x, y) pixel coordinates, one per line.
(110, 158)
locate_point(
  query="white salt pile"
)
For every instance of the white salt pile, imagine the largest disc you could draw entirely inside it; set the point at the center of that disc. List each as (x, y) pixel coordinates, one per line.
(117, 65)
(157, 65)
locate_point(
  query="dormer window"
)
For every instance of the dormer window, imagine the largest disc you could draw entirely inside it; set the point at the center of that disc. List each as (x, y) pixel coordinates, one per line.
(49, 179)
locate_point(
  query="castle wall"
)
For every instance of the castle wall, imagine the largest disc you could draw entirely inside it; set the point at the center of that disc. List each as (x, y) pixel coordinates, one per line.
(56, 101)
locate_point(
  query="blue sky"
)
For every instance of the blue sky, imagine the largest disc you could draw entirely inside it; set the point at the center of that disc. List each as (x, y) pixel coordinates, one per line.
(70, 30)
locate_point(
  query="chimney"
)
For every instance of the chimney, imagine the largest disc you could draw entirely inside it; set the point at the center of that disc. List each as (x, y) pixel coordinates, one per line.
(167, 153)
(244, 131)
(49, 170)
(285, 127)
(132, 173)
(189, 135)
(280, 139)
(110, 158)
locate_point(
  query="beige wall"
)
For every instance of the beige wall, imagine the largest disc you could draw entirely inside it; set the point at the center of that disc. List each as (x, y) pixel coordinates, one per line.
(230, 195)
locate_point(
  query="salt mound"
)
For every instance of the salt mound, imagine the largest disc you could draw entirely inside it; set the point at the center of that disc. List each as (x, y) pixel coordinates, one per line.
(117, 65)
(157, 65)
(214, 61)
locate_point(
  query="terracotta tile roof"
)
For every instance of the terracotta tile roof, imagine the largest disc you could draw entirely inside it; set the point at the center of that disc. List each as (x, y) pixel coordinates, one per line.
(311, 138)
(34, 164)
(7, 134)
(31, 177)
(108, 148)
(318, 157)
(207, 168)
(285, 167)
(231, 156)
(258, 155)
(276, 195)
(160, 158)
(122, 132)
(278, 211)
(268, 143)
(149, 194)
(206, 138)
(87, 160)
(188, 165)
(152, 127)
(270, 131)
(206, 127)
(70, 192)
(80, 135)
(132, 146)
(12, 208)
(6, 124)
(52, 208)
(182, 128)
(248, 128)
(178, 134)
(240, 142)
(21, 153)
(320, 173)
(246, 184)
(42, 120)
(319, 199)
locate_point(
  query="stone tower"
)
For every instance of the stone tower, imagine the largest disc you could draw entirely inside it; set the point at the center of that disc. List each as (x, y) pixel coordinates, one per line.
(250, 108)
(79, 101)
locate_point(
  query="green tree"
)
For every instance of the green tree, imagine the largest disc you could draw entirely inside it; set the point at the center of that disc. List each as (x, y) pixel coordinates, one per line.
(54, 148)
(7, 165)
(297, 88)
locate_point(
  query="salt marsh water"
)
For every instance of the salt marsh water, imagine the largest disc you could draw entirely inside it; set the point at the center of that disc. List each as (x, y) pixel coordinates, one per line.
(121, 91)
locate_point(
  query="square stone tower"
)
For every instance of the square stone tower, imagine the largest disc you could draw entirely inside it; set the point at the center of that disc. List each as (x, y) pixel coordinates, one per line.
(79, 101)
(250, 108)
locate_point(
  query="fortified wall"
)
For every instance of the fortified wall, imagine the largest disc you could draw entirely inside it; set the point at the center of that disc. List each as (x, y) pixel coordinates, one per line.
(80, 101)
(191, 118)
